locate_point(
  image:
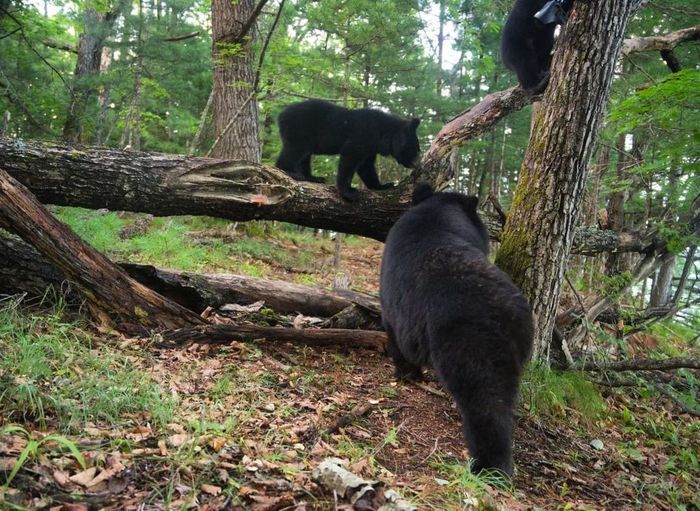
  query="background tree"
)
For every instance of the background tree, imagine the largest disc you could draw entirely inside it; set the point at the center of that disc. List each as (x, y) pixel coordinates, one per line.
(235, 102)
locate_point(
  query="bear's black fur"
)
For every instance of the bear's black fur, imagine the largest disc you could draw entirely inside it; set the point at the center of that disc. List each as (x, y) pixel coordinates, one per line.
(319, 127)
(445, 305)
(526, 44)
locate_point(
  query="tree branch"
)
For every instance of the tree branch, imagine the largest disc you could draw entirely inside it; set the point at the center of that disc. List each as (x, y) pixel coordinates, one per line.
(641, 364)
(184, 37)
(662, 42)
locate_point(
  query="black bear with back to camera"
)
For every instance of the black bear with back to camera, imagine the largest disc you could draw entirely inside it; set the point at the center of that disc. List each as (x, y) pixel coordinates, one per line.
(445, 305)
(527, 42)
(319, 127)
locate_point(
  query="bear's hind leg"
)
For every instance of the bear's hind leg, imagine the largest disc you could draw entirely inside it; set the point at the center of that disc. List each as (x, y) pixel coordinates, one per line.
(304, 168)
(488, 431)
(289, 161)
(486, 402)
(404, 370)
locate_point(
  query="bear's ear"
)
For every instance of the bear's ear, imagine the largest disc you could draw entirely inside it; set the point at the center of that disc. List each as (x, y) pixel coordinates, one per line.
(421, 192)
(413, 123)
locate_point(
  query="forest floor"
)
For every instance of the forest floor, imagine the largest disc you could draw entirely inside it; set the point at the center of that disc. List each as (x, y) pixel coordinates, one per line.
(96, 420)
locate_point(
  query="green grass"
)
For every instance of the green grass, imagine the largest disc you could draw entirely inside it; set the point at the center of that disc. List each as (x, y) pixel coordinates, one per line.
(166, 242)
(550, 392)
(462, 489)
(52, 373)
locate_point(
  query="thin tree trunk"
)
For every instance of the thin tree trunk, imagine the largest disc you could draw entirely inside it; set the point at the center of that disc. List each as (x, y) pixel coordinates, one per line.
(661, 292)
(202, 123)
(616, 206)
(234, 76)
(539, 231)
(96, 28)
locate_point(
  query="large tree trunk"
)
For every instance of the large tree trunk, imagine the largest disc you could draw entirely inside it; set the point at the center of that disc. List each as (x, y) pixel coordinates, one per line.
(111, 294)
(539, 231)
(234, 77)
(163, 184)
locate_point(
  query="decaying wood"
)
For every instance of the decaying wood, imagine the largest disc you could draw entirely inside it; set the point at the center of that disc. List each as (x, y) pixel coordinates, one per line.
(111, 294)
(163, 184)
(225, 333)
(361, 493)
(641, 365)
(24, 269)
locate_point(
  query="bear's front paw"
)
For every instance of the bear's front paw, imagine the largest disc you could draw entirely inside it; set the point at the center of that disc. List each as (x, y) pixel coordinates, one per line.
(387, 186)
(350, 195)
(317, 179)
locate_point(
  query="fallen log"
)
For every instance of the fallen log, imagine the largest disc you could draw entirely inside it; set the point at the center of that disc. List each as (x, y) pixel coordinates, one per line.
(110, 293)
(226, 333)
(641, 364)
(24, 269)
(163, 184)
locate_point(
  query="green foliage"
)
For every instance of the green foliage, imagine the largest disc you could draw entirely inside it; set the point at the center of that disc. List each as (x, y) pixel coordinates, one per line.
(551, 392)
(612, 285)
(51, 373)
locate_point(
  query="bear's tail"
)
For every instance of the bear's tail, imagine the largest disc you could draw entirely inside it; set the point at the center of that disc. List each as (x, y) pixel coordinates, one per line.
(421, 192)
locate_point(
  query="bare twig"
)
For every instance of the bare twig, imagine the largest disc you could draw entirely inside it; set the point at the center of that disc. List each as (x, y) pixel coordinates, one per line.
(177, 38)
(31, 46)
(261, 58)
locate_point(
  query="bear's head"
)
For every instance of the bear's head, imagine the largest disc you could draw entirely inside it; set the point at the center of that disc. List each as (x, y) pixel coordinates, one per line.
(467, 204)
(404, 144)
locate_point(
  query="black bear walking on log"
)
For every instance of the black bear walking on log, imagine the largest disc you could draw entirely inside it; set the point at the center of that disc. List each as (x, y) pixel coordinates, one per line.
(445, 305)
(527, 40)
(319, 127)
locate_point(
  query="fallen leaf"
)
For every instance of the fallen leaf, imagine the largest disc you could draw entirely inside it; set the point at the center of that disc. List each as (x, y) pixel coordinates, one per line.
(61, 477)
(211, 489)
(84, 477)
(178, 440)
(217, 443)
(264, 503)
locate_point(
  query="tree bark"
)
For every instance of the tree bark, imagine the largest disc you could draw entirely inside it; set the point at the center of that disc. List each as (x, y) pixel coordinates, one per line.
(661, 291)
(163, 185)
(109, 291)
(24, 270)
(616, 207)
(539, 231)
(234, 75)
(96, 28)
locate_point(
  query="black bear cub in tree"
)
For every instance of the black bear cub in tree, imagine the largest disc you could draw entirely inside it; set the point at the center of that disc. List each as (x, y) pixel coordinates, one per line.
(527, 42)
(319, 127)
(445, 305)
